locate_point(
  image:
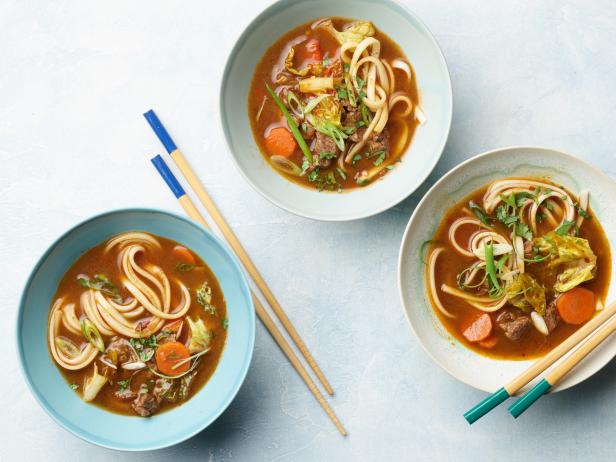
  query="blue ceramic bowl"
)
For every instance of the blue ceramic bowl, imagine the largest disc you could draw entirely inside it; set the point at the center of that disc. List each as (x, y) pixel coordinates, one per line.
(94, 424)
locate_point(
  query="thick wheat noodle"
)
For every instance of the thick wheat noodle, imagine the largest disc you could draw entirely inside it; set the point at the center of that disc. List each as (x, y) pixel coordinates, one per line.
(390, 75)
(88, 307)
(131, 238)
(131, 268)
(432, 276)
(69, 319)
(83, 359)
(452, 233)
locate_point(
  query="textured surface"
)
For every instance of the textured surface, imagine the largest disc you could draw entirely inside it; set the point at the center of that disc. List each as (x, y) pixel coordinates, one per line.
(75, 79)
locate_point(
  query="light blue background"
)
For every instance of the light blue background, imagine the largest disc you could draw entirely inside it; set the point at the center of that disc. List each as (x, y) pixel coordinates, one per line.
(75, 79)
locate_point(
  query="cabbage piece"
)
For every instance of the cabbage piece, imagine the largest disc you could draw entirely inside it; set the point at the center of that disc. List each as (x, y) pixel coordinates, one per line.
(574, 254)
(564, 249)
(355, 32)
(526, 293)
(316, 84)
(328, 109)
(313, 68)
(574, 276)
(200, 338)
(93, 385)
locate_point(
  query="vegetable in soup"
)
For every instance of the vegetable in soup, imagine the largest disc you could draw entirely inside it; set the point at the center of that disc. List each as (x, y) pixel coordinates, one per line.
(333, 104)
(518, 266)
(138, 324)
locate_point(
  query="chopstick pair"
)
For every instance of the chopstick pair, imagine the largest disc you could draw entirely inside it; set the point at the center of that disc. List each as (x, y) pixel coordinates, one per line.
(582, 342)
(192, 211)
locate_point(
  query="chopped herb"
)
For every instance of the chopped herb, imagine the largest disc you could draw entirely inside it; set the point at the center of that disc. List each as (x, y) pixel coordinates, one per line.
(123, 384)
(102, 283)
(325, 60)
(184, 267)
(567, 226)
(504, 217)
(361, 181)
(341, 173)
(523, 230)
(326, 155)
(73, 386)
(390, 167)
(540, 217)
(346, 67)
(145, 347)
(480, 213)
(313, 175)
(379, 160)
(362, 94)
(510, 200)
(359, 124)
(360, 84)
(305, 166)
(583, 213)
(225, 323)
(356, 158)
(549, 205)
(342, 93)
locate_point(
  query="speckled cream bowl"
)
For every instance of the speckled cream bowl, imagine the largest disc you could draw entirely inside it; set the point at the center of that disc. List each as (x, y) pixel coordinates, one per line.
(92, 423)
(425, 148)
(468, 366)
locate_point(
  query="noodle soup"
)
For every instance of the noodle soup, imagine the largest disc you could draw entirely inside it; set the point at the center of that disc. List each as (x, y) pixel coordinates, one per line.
(138, 324)
(518, 266)
(333, 104)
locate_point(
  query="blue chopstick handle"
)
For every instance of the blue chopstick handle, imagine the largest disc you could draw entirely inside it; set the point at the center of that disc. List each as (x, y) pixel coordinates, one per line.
(168, 176)
(160, 131)
(486, 405)
(529, 398)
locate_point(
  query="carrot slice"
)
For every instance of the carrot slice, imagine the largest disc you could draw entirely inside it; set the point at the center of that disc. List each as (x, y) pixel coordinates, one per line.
(490, 342)
(480, 329)
(169, 354)
(576, 306)
(184, 254)
(280, 142)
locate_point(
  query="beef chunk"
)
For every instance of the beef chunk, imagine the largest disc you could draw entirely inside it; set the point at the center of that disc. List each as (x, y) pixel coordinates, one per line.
(307, 131)
(514, 324)
(551, 317)
(378, 142)
(323, 144)
(528, 249)
(334, 69)
(165, 389)
(119, 350)
(145, 404)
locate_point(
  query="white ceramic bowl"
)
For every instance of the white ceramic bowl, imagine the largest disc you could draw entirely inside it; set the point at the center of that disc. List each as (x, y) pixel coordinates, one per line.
(476, 370)
(425, 149)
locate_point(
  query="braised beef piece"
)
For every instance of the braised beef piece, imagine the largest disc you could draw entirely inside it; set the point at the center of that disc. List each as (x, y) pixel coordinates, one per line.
(145, 404)
(334, 69)
(119, 350)
(378, 142)
(351, 117)
(514, 324)
(323, 144)
(307, 131)
(165, 389)
(551, 317)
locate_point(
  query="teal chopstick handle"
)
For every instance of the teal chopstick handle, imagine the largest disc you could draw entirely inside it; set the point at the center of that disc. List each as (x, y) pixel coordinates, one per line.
(486, 405)
(529, 398)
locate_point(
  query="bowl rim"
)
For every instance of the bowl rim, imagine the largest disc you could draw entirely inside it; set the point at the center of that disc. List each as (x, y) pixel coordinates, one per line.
(242, 39)
(19, 322)
(435, 186)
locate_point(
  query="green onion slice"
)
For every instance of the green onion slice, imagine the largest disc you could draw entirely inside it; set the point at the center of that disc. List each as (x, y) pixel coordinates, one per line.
(292, 125)
(92, 335)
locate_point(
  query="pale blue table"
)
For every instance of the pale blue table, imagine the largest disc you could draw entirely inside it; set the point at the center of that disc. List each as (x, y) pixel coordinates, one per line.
(75, 78)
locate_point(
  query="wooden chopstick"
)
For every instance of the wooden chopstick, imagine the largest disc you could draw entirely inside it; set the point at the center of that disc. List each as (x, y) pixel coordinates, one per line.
(232, 239)
(539, 366)
(562, 369)
(192, 211)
